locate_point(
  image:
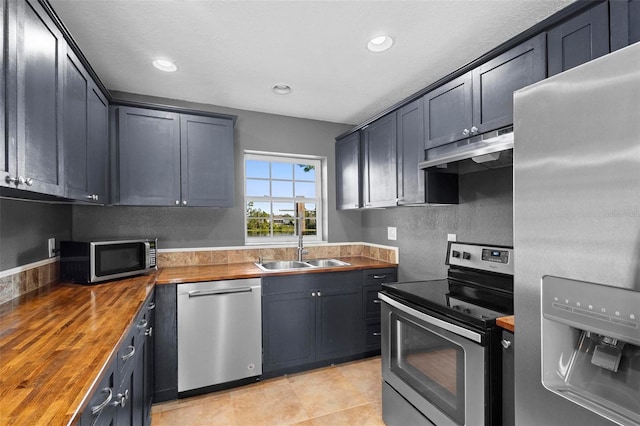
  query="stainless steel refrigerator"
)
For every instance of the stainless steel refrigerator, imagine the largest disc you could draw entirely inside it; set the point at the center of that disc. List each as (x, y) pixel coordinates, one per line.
(577, 219)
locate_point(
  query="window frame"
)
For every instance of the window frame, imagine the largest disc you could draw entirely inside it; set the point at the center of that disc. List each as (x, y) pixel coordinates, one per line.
(319, 200)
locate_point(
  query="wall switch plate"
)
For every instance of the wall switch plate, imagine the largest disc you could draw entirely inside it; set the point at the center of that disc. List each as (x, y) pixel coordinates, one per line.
(52, 247)
(451, 237)
(392, 233)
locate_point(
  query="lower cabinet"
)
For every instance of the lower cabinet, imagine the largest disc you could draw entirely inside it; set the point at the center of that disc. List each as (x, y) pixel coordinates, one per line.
(508, 400)
(311, 320)
(123, 396)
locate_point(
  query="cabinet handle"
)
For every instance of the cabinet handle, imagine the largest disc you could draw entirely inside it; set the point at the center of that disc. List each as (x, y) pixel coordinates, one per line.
(376, 301)
(13, 180)
(380, 277)
(97, 408)
(28, 181)
(143, 323)
(376, 334)
(474, 130)
(184, 202)
(121, 399)
(130, 354)
(151, 306)
(319, 294)
(313, 294)
(505, 343)
(177, 202)
(149, 332)
(465, 132)
(95, 197)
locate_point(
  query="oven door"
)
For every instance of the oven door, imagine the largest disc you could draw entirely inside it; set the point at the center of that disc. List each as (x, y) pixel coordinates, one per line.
(437, 366)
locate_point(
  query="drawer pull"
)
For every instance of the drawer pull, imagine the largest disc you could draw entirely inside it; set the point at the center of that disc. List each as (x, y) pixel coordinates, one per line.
(143, 323)
(505, 343)
(130, 354)
(379, 277)
(151, 306)
(376, 301)
(121, 399)
(97, 408)
(149, 332)
(376, 334)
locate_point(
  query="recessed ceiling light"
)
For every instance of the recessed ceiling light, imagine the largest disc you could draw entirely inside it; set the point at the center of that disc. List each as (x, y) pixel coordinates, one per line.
(164, 65)
(281, 89)
(380, 43)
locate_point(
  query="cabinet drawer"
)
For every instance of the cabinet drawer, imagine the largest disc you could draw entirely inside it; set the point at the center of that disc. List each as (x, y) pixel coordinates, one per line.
(100, 409)
(373, 334)
(379, 276)
(371, 302)
(132, 345)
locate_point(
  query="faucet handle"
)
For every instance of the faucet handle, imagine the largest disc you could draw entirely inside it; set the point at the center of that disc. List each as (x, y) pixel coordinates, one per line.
(260, 260)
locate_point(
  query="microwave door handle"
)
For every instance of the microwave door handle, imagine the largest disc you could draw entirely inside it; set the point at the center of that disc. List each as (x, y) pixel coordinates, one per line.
(147, 255)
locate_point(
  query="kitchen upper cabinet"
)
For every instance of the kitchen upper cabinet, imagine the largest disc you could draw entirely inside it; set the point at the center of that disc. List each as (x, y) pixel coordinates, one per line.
(148, 157)
(447, 112)
(85, 134)
(624, 22)
(40, 52)
(410, 153)
(495, 81)
(379, 183)
(482, 100)
(348, 173)
(171, 159)
(579, 40)
(207, 161)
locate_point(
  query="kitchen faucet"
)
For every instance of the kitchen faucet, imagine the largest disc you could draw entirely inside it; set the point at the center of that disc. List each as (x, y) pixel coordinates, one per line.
(300, 249)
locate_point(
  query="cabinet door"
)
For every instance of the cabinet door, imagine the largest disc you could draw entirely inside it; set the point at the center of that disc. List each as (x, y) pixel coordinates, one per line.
(207, 161)
(579, 40)
(624, 22)
(101, 400)
(149, 348)
(165, 331)
(495, 81)
(410, 153)
(339, 322)
(288, 330)
(348, 174)
(39, 63)
(508, 401)
(98, 145)
(380, 163)
(447, 112)
(7, 149)
(75, 93)
(148, 157)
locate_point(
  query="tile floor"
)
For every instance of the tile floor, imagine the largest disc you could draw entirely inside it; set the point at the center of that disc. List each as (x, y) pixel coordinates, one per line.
(344, 394)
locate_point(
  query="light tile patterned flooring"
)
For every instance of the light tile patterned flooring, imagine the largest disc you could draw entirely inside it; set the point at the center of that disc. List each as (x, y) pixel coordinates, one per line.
(344, 394)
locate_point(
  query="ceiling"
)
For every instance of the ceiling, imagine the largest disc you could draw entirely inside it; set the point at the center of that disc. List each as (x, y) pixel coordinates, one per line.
(230, 53)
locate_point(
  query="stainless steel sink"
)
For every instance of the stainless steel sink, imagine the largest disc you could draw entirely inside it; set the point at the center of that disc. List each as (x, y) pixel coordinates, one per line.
(288, 265)
(282, 265)
(327, 263)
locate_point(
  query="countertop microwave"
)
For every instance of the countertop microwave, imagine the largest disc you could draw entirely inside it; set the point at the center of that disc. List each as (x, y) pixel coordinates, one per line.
(89, 262)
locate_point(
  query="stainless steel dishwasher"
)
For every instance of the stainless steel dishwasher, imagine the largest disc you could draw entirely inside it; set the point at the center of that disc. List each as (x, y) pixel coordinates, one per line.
(219, 332)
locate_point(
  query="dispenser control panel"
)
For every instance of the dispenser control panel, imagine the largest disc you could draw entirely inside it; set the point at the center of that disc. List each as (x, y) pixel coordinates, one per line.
(607, 310)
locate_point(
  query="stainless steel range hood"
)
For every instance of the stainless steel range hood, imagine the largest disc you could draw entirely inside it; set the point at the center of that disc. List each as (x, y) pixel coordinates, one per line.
(487, 151)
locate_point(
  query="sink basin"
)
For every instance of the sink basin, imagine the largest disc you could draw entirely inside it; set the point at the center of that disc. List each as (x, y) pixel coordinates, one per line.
(282, 265)
(326, 263)
(288, 265)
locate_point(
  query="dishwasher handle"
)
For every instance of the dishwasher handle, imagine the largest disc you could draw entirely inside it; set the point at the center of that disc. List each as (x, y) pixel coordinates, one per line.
(200, 293)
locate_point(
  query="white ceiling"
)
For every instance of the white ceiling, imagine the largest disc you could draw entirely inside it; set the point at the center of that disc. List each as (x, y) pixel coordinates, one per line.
(230, 53)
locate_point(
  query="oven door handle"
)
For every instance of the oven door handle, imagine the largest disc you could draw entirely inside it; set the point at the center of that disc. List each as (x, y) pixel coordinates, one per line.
(456, 329)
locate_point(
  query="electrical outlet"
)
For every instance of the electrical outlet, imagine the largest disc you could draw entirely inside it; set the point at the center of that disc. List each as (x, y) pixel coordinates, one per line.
(451, 237)
(392, 233)
(52, 247)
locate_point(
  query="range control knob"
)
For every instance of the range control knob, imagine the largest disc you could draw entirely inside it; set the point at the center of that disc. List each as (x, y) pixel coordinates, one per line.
(466, 255)
(455, 253)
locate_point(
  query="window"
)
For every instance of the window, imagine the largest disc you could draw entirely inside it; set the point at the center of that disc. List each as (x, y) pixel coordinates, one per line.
(283, 196)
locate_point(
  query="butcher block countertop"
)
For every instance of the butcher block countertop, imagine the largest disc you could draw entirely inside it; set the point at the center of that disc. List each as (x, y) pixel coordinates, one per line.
(189, 274)
(508, 323)
(56, 342)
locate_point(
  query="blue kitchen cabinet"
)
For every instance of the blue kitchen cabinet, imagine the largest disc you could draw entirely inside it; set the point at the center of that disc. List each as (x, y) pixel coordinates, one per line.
(578, 40)
(169, 159)
(379, 161)
(348, 172)
(624, 23)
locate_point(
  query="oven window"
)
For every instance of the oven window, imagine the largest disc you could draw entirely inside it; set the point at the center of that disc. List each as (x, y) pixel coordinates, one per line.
(113, 259)
(432, 365)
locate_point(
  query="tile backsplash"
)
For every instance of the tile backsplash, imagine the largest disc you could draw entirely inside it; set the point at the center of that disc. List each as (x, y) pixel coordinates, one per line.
(170, 258)
(28, 279)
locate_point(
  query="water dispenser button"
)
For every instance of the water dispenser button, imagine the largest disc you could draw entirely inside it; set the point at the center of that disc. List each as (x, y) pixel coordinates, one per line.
(607, 357)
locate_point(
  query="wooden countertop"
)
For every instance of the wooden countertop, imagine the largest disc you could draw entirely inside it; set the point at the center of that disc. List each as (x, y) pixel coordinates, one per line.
(508, 323)
(189, 274)
(55, 344)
